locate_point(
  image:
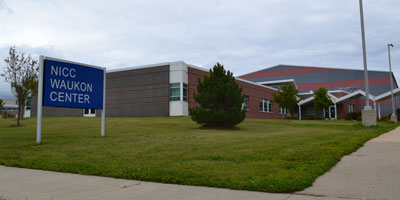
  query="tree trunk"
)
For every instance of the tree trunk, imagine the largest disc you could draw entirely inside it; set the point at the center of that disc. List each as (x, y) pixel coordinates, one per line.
(292, 111)
(19, 114)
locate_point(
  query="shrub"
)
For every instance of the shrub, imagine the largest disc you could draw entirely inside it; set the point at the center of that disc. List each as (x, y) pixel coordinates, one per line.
(353, 116)
(385, 118)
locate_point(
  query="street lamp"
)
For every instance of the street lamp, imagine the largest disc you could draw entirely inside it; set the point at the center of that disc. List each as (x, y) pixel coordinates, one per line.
(393, 118)
(368, 115)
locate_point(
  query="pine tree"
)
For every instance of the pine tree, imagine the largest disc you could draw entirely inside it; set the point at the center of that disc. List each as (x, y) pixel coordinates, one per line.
(220, 99)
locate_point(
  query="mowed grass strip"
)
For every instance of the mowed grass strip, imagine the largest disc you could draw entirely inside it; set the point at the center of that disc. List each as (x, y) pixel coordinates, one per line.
(260, 155)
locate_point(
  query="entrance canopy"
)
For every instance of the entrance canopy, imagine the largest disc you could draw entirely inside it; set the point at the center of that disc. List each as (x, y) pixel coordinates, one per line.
(387, 95)
(354, 95)
(310, 99)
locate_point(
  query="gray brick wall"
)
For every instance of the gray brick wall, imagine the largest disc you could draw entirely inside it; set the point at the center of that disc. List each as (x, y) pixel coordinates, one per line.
(130, 93)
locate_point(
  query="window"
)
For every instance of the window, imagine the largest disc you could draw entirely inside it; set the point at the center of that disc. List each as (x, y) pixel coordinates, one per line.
(89, 112)
(261, 105)
(269, 106)
(245, 104)
(310, 110)
(265, 105)
(175, 92)
(351, 108)
(282, 110)
(185, 92)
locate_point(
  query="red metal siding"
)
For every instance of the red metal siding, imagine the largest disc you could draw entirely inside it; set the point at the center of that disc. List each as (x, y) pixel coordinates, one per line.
(343, 83)
(302, 70)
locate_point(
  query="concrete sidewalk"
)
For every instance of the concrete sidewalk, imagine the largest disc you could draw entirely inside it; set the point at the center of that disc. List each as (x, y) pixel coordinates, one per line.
(373, 172)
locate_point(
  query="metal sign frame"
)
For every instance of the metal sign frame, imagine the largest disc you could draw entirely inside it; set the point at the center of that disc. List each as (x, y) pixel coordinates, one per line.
(41, 88)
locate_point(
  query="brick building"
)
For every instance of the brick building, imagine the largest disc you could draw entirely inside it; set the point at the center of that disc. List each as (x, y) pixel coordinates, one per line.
(166, 89)
(345, 86)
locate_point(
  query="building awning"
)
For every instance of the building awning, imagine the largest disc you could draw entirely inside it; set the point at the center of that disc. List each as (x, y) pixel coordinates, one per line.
(387, 95)
(353, 95)
(310, 99)
(277, 82)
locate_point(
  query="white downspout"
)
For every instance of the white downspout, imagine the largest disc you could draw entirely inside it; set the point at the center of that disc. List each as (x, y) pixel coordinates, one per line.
(335, 112)
(299, 112)
(379, 110)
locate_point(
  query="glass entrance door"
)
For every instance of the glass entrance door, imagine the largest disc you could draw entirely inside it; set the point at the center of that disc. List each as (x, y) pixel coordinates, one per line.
(332, 112)
(326, 113)
(329, 113)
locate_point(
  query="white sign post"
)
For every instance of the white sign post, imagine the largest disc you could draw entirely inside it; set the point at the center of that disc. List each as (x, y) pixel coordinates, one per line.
(39, 102)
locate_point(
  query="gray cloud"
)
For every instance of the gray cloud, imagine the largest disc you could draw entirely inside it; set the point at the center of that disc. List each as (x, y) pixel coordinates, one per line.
(243, 35)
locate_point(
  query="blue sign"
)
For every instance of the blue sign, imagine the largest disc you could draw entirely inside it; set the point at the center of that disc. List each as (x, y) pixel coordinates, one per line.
(72, 85)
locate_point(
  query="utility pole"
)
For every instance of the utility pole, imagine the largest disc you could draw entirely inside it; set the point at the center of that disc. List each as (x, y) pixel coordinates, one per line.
(368, 115)
(393, 117)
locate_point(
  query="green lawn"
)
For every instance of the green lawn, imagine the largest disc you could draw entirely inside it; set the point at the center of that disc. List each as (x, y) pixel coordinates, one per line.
(262, 155)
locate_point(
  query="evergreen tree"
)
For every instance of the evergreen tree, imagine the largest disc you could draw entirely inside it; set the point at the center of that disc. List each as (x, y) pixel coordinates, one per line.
(286, 97)
(321, 99)
(220, 99)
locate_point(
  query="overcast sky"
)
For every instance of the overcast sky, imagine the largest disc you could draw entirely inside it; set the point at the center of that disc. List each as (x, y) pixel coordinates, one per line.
(245, 36)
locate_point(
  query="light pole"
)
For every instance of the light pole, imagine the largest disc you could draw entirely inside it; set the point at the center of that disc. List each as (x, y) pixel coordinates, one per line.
(393, 118)
(367, 107)
(368, 115)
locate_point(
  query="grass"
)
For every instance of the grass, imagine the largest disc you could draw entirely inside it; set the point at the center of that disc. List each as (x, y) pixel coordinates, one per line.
(261, 155)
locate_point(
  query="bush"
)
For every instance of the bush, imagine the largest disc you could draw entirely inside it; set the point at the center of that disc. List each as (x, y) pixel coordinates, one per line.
(385, 118)
(353, 116)
(220, 99)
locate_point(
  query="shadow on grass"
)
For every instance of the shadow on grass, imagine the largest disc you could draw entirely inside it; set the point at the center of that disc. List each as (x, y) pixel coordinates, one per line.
(220, 128)
(16, 126)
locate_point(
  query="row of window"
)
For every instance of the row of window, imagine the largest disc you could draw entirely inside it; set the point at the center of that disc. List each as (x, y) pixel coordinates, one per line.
(175, 95)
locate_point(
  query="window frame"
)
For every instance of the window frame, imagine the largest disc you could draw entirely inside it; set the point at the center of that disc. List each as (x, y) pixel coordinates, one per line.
(185, 92)
(266, 105)
(89, 112)
(174, 87)
(308, 108)
(245, 103)
(283, 110)
(350, 108)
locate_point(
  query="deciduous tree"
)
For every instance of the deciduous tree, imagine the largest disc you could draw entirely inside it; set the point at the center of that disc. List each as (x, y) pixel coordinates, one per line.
(321, 99)
(21, 72)
(286, 96)
(1, 105)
